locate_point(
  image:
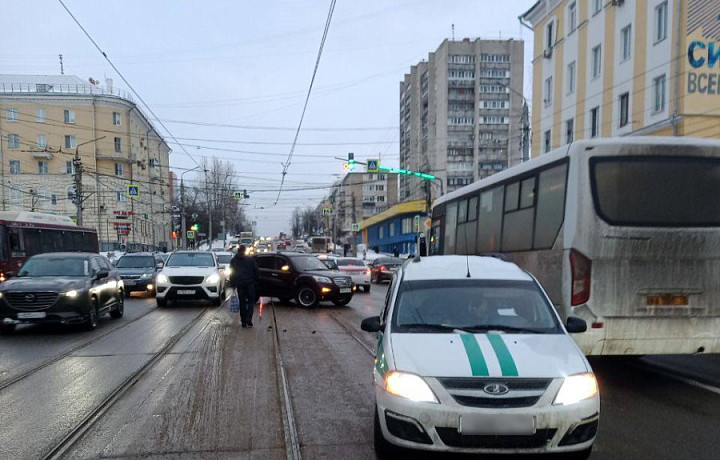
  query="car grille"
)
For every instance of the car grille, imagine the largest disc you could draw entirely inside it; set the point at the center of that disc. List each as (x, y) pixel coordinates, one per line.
(31, 301)
(452, 438)
(343, 282)
(130, 277)
(468, 391)
(186, 280)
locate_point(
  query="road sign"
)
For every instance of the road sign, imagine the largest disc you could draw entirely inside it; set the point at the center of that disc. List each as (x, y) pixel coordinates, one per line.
(416, 224)
(373, 166)
(190, 235)
(326, 211)
(355, 227)
(238, 195)
(428, 223)
(133, 190)
(194, 215)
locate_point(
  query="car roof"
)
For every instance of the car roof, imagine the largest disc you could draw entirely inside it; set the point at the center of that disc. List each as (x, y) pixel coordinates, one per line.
(192, 252)
(134, 254)
(224, 253)
(456, 267)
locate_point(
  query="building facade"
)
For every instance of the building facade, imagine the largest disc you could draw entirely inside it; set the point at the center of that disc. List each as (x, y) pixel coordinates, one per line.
(397, 228)
(461, 114)
(59, 131)
(623, 67)
(359, 196)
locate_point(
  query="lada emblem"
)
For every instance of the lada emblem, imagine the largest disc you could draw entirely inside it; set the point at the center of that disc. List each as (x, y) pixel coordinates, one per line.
(496, 389)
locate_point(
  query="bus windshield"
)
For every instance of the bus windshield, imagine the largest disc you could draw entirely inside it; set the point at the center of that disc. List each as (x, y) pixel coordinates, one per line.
(657, 191)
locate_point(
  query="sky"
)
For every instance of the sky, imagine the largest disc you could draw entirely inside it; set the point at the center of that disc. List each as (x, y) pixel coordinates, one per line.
(249, 65)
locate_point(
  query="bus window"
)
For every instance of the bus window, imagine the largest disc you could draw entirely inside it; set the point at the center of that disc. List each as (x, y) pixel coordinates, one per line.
(450, 228)
(527, 193)
(490, 220)
(518, 222)
(512, 191)
(3, 243)
(550, 207)
(17, 248)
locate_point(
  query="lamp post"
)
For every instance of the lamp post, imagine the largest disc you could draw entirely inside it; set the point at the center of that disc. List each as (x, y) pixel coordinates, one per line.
(182, 207)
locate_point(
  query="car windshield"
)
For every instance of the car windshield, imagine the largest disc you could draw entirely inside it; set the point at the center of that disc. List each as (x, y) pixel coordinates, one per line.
(350, 263)
(224, 258)
(191, 259)
(135, 262)
(473, 306)
(55, 266)
(308, 263)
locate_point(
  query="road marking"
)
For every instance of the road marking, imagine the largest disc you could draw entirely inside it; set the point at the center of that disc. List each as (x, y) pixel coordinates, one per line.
(679, 378)
(349, 332)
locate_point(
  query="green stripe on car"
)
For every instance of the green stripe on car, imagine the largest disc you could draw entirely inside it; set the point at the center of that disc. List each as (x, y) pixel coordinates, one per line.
(380, 361)
(507, 364)
(475, 356)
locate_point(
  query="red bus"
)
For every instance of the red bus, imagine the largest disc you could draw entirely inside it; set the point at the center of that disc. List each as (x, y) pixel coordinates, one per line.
(24, 234)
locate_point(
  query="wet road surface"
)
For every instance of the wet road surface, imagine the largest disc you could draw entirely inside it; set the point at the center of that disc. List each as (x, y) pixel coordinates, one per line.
(218, 392)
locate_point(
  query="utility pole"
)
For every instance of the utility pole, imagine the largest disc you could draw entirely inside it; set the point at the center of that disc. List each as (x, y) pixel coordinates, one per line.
(77, 163)
(210, 229)
(354, 237)
(183, 228)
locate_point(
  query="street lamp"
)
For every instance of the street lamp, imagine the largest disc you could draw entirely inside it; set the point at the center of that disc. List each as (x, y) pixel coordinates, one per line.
(182, 207)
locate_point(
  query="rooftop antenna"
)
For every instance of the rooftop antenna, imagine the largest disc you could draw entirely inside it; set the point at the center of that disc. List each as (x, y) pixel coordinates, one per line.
(62, 70)
(453, 32)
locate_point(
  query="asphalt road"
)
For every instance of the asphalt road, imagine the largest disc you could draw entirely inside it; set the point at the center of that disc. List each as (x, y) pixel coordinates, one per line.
(218, 392)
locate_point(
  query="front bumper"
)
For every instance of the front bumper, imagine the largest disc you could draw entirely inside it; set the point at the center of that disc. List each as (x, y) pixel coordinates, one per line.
(361, 280)
(330, 292)
(437, 427)
(135, 285)
(63, 311)
(189, 292)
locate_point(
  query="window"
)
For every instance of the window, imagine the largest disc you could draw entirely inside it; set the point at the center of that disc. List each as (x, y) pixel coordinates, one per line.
(118, 145)
(69, 167)
(14, 167)
(42, 167)
(512, 192)
(626, 38)
(154, 162)
(119, 169)
(594, 122)
(571, 77)
(624, 108)
(493, 120)
(12, 115)
(462, 75)
(42, 141)
(490, 220)
(53, 199)
(392, 229)
(70, 142)
(16, 197)
(550, 35)
(40, 115)
(550, 206)
(13, 140)
(450, 227)
(547, 141)
(572, 17)
(596, 61)
(661, 18)
(116, 118)
(548, 91)
(120, 196)
(659, 94)
(462, 211)
(569, 130)
(597, 6)
(381, 232)
(69, 116)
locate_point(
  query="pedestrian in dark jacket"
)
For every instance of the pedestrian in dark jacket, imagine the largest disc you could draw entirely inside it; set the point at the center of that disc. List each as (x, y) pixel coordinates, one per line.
(243, 278)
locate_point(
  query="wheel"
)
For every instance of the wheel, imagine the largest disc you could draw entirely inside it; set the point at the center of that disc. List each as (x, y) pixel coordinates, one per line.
(383, 448)
(580, 455)
(284, 299)
(92, 320)
(119, 310)
(366, 288)
(216, 302)
(342, 301)
(161, 302)
(7, 328)
(375, 279)
(306, 297)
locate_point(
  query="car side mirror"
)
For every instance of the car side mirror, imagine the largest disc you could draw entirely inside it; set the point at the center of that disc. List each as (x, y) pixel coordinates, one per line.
(102, 274)
(575, 325)
(371, 324)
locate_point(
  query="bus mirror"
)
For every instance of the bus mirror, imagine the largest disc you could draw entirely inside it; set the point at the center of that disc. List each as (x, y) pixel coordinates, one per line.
(575, 325)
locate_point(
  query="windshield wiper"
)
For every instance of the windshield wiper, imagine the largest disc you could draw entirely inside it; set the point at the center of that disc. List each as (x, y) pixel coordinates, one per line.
(498, 327)
(433, 327)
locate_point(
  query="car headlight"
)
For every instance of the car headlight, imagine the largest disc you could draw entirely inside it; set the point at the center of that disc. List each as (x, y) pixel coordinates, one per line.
(212, 279)
(72, 293)
(162, 278)
(409, 386)
(228, 271)
(322, 279)
(145, 276)
(576, 388)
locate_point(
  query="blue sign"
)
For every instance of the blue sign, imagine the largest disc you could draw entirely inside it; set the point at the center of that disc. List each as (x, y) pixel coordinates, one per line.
(373, 166)
(133, 190)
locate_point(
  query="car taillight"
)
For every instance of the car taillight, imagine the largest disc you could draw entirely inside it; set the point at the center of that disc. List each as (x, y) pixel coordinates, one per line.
(382, 268)
(367, 272)
(580, 267)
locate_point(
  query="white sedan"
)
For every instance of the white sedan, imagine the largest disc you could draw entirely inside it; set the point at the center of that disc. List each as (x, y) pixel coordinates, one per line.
(357, 270)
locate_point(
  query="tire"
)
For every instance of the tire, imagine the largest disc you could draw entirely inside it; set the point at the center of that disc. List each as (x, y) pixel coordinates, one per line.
(342, 301)
(7, 329)
(306, 297)
(161, 302)
(366, 288)
(91, 323)
(216, 302)
(383, 448)
(119, 310)
(580, 455)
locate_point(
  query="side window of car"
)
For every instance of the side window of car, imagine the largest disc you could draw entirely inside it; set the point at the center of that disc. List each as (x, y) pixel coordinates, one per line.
(105, 264)
(388, 298)
(280, 262)
(95, 265)
(265, 262)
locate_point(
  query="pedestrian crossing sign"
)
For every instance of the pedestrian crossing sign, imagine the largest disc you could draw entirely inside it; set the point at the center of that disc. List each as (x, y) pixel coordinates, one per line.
(133, 190)
(355, 227)
(373, 166)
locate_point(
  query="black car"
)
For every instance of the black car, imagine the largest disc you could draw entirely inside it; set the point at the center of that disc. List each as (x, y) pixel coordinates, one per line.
(302, 277)
(139, 271)
(61, 288)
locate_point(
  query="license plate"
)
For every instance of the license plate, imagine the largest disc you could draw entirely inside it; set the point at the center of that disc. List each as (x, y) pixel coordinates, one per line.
(508, 424)
(186, 291)
(33, 315)
(345, 291)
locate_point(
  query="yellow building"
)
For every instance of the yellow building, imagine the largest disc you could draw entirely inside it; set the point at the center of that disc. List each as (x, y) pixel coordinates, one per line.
(624, 67)
(45, 121)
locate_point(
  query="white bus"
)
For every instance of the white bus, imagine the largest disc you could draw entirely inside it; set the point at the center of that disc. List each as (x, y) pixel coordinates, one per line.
(624, 233)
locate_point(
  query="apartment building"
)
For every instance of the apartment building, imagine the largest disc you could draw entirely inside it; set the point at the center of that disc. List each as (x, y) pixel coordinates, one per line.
(359, 196)
(461, 114)
(623, 67)
(46, 120)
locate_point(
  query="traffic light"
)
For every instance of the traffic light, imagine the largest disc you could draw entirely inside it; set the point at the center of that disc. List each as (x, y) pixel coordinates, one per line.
(351, 160)
(174, 235)
(195, 227)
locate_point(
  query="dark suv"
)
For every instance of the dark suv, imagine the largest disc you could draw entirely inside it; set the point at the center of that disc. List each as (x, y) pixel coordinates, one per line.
(61, 288)
(302, 277)
(139, 271)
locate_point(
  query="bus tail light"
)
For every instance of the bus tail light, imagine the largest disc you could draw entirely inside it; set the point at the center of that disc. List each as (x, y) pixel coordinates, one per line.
(580, 266)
